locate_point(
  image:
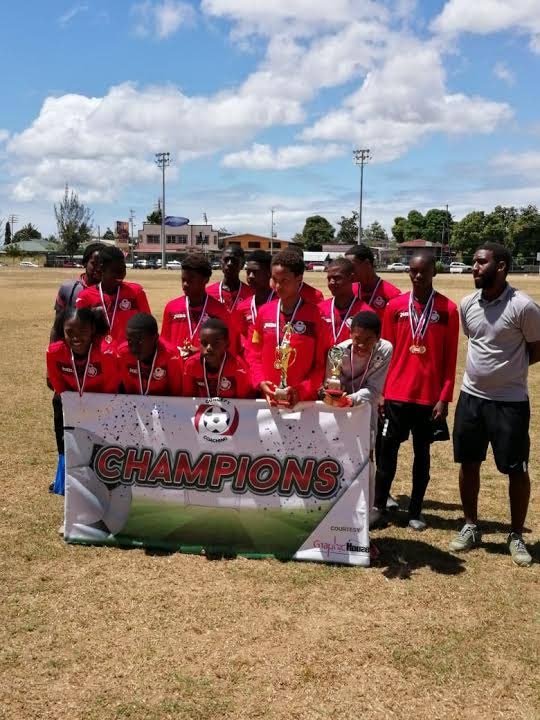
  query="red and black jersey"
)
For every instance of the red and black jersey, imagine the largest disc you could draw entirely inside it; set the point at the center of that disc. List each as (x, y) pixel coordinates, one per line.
(233, 382)
(341, 325)
(310, 294)
(163, 376)
(131, 300)
(378, 297)
(230, 299)
(175, 327)
(306, 370)
(421, 378)
(101, 368)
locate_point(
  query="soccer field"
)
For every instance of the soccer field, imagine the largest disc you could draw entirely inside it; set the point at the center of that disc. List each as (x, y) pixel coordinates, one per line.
(99, 633)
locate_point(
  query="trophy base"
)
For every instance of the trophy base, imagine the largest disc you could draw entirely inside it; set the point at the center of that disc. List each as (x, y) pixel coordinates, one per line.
(281, 397)
(333, 393)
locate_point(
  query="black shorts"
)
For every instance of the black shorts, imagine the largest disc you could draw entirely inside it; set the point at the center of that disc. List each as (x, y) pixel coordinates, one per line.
(479, 422)
(401, 418)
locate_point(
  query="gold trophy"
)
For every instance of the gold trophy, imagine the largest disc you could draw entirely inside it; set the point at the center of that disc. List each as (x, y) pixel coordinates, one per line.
(332, 384)
(285, 356)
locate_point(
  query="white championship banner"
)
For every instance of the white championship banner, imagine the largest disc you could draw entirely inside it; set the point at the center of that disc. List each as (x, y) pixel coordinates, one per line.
(218, 476)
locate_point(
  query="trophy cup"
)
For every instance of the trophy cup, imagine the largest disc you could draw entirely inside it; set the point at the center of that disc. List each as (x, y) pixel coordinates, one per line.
(332, 384)
(285, 356)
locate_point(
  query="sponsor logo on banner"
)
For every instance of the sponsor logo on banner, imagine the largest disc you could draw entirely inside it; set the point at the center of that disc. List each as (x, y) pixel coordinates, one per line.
(339, 548)
(216, 420)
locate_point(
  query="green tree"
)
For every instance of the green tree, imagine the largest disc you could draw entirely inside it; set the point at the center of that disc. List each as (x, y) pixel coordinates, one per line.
(28, 232)
(468, 233)
(348, 229)
(74, 222)
(438, 226)
(154, 217)
(317, 232)
(7, 234)
(525, 232)
(108, 234)
(398, 228)
(415, 225)
(375, 235)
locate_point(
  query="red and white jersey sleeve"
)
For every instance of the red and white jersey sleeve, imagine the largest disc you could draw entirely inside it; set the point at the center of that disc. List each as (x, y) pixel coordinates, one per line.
(234, 381)
(421, 378)
(341, 326)
(167, 371)
(131, 300)
(306, 370)
(102, 374)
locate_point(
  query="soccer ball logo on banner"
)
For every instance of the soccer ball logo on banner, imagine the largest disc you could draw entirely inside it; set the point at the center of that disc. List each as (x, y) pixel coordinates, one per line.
(216, 418)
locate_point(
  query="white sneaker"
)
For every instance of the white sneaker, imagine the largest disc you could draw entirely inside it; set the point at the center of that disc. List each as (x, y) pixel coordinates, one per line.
(418, 523)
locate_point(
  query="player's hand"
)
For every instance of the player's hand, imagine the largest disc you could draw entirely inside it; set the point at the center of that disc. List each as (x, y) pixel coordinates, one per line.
(440, 411)
(268, 389)
(380, 409)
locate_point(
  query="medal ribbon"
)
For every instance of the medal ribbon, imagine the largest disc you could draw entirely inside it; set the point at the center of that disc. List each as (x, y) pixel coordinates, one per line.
(344, 319)
(419, 325)
(110, 322)
(218, 377)
(80, 387)
(235, 299)
(372, 294)
(145, 392)
(365, 369)
(290, 322)
(254, 311)
(191, 331)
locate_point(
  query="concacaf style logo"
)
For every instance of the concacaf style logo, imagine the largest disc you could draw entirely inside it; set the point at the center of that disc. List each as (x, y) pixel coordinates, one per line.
(216, 420)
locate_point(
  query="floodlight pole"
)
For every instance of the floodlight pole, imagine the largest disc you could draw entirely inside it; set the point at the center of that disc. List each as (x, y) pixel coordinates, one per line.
(272, 210)
(163, 160)
(131, 216)
(361, 157)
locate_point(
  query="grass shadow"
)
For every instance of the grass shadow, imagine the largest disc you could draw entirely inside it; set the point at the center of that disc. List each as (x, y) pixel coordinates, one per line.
(438, 505)
(501, 548)
(400, 558)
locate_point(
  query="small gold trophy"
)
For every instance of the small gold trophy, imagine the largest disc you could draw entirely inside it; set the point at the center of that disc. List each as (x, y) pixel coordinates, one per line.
(332, 384)
(285, 356)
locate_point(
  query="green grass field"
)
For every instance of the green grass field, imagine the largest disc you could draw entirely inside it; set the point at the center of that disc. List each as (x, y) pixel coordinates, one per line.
(102, 633)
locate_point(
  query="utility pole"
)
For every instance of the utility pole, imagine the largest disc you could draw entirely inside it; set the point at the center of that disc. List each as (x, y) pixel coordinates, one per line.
(272, 235)
(163, 160)
(12, 220)
(131, 217)
(361, 157)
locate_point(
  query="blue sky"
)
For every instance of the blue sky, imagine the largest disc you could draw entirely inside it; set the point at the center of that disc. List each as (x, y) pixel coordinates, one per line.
(261, 104)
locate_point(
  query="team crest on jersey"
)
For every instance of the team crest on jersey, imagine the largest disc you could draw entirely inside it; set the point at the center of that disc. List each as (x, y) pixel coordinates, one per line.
(299, 327)
(225, 383)
(159, 373)
(92, 371)
(435, 317)
(125, 304)
(379, 302)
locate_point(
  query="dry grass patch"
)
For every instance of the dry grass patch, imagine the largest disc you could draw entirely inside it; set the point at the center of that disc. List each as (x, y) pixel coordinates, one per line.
(109, 634)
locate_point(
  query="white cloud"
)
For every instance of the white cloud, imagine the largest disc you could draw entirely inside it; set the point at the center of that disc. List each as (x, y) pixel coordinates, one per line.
(401, 101)
(263, 157)
(68, 16)
(490, 16)
(503, 72)
(161, 19)
(525, 165)
(4, 135)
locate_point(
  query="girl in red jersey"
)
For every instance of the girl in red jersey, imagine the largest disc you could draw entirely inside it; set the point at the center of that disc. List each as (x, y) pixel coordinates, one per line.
(81, 362)
(214, 371)
(119, 299)
(288, 325)
(148, 365)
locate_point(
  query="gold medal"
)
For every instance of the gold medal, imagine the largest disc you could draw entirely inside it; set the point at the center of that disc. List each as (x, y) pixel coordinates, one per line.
(417, 349)
(108, 338)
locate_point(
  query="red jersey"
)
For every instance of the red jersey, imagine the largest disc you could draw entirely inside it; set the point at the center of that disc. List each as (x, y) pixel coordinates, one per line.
(97, 374)
(246, 314)
(228, 298)
(340, 329)
(306, 371)
(310, 294)
(175, 328)
(378, 297)
(163, 376)
(233, 382)
(421, 378)
(120, 307)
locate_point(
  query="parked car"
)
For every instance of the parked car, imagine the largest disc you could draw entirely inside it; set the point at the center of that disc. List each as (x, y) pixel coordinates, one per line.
(174, 265)
(144, 263)
(215, 265)
(459, 267)
(27, 263)
(398, 267)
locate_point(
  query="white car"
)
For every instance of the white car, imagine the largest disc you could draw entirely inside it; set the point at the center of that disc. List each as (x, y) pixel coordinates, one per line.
(27, 263)
(174, 265)
(459, 267)
(398, 267)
